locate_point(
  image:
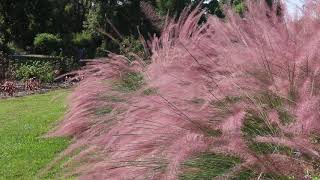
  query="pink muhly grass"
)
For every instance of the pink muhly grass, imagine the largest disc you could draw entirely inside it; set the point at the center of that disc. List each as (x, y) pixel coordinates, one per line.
(213, 76)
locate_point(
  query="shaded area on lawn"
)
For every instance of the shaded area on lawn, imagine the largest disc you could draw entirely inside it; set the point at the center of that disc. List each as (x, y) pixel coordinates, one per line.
(23, 152)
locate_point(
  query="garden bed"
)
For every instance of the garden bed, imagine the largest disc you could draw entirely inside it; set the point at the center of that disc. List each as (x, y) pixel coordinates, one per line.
(46, 87)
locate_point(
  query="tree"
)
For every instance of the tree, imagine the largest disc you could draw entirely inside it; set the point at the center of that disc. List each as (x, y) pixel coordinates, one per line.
(172, 7)
(116, 19)
(21, 20)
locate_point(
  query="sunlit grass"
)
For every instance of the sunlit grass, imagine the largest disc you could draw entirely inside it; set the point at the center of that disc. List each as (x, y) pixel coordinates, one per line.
(23, 150)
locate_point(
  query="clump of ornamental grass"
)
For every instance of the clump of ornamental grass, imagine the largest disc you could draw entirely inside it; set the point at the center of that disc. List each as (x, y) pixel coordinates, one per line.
(253, 80)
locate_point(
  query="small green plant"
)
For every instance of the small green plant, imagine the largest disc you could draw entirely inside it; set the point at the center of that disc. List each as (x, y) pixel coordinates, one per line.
(130, 81)
(47, 44)
(239, 7)
(39, 70)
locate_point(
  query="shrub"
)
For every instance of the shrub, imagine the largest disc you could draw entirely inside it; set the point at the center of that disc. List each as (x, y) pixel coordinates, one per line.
(47, 44)
(15, 49)
(101, 52)
(39, 70)
(84, 41)
(32, 84)
(171, 7)
(9, 88)
(131, 47)
(67, 64)
(239, 7)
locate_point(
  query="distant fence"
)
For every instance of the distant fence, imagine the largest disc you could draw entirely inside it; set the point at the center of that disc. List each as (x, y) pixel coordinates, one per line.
(37, 57)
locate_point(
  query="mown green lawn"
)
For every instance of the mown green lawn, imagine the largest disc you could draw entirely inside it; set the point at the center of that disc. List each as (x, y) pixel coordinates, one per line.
(23, 122)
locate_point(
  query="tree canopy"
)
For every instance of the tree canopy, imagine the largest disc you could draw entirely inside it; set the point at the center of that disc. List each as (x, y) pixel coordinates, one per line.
(21, 21)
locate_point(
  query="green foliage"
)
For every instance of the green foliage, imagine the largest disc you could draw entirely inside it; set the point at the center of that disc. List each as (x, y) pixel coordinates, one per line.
(165, 6)
(82, 40)
(175, 7)
(37, 69)
(93, 19)
(46, 43)
(23, 20)
(101, 52)
(269, 101)
(14, 49)
(249, 174)
(24, 151)
(214, 7)
(239, 7)
(85, 41)
(267, 148)
(130, 46)
(66, 64)
(130, 81)
(172, 7)
(207, 166)
(255, 124)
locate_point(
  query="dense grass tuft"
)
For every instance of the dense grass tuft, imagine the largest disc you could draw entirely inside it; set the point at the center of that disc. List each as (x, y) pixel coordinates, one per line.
(255, 124)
